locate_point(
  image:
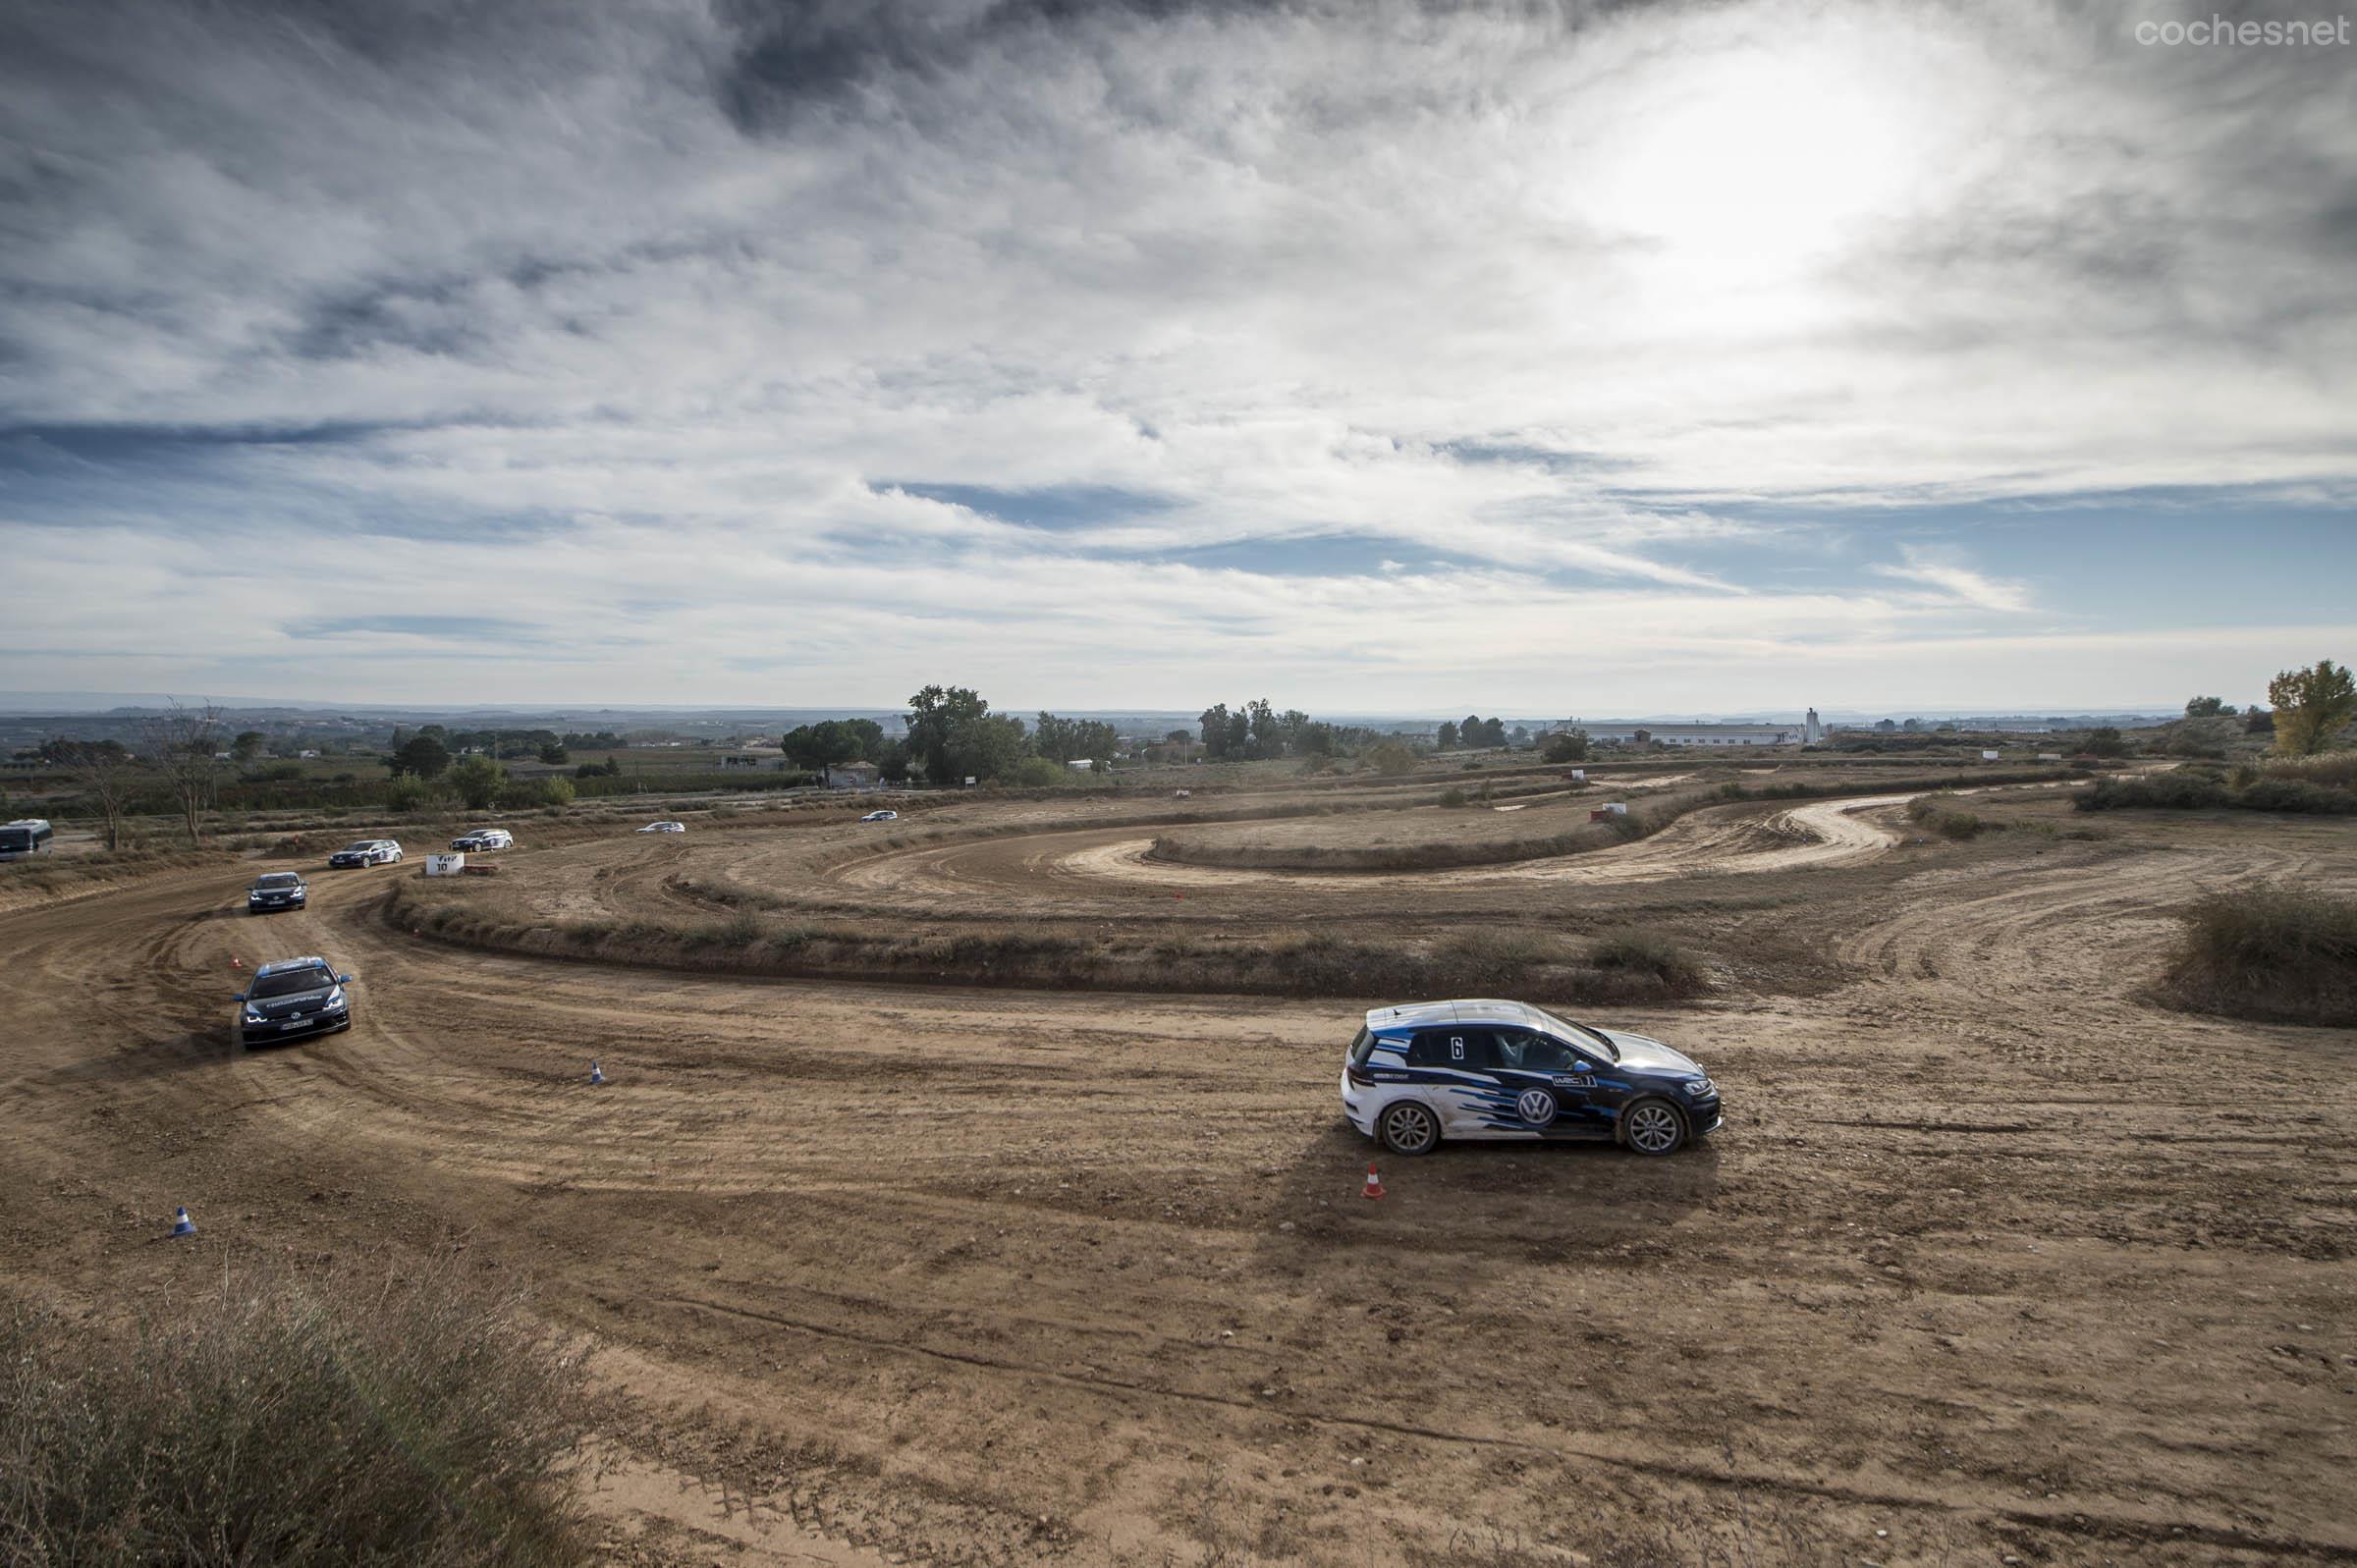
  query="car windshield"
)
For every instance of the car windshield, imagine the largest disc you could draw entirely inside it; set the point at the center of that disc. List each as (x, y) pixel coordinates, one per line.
(277, 878)
(361, 847)
(1580, 1034)
(291, 983)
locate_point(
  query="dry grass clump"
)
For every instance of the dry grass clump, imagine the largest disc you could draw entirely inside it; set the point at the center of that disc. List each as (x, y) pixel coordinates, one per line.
(1945, 816)
(2334, 770)
(1664, 966)
(349, 1418)
(2280, 953)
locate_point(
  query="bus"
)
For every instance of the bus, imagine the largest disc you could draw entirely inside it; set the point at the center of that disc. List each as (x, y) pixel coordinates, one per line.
(26, 835)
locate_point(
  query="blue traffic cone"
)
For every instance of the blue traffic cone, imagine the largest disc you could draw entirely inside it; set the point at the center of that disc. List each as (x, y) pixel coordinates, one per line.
(597, 1074)
(182, 1224)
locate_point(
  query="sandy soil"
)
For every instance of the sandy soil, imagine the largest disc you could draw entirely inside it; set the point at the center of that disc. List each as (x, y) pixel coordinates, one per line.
(1993, 1261)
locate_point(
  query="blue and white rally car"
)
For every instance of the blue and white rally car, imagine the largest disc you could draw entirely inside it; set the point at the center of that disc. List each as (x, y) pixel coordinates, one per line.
(1503, 1069)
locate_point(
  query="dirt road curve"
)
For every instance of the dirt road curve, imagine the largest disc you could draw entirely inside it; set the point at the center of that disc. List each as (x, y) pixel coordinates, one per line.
(1994, 1259)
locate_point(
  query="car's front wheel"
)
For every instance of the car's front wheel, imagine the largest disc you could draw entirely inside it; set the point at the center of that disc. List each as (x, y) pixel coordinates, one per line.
(1653, 1127)
(1409, 1128)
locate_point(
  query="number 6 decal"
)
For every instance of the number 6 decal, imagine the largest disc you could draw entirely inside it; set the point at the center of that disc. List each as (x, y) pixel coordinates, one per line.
(1457, 1048)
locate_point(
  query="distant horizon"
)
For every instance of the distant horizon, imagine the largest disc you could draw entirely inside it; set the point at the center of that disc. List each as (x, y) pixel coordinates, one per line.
(37, 704)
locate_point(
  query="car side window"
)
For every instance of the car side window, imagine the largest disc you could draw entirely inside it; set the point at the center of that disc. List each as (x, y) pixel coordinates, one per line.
(1541, 1054)
(1467, 1050)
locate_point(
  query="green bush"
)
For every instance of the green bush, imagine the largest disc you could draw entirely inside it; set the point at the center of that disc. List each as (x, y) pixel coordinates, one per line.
(2268, 953)
(386, 1419)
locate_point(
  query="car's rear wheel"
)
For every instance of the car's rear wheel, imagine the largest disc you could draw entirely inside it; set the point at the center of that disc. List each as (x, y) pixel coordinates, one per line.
(1653, 1127)
(1409, 1128)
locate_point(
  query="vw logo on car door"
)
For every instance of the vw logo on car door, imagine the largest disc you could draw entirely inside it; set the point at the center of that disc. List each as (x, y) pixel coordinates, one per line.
(1536, 1106)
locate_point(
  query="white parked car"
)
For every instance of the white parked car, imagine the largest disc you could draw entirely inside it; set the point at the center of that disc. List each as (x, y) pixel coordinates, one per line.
(881, 816)
(665, 826)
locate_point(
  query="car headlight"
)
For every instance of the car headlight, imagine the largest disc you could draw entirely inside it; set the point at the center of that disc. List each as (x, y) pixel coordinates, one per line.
(1699, 1087)
(337, 1002)
(254, 1017)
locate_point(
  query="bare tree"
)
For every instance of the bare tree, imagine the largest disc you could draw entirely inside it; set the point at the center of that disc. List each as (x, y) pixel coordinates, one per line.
(182, 742)
(108, 773)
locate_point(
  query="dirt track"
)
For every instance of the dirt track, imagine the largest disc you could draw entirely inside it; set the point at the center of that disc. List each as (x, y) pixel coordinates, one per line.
(1993, 1260)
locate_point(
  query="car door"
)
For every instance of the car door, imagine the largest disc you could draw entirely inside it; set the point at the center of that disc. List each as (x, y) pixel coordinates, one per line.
(1552, 1086)
(1456, 1077)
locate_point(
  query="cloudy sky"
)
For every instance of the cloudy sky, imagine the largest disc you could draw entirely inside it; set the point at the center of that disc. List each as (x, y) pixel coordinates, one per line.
(1532, 359)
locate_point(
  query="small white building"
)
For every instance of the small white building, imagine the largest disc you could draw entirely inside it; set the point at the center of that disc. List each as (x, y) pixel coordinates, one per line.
(1081, 765)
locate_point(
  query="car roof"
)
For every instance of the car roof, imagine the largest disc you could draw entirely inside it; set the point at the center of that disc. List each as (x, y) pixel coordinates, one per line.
(314, 961)
(1472, 1011)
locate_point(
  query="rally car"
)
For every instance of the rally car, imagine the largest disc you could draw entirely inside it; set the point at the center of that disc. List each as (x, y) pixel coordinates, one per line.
(1488, 1070)
(484, 840)
(291, 999)
(273, 890)
(366, 852)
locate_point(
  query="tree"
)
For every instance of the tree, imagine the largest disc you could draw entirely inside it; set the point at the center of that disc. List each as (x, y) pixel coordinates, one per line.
(554, 753)
(1567, 746)
(987, 746)
(1492, 732)
(182, 742)
(1390, 757)
(1445, 738)
(832, 741)
(2312, 707)
(2258, 721)
(934, 716)
(477, 779)
(2106, 741)
(422, 756)
(246, 747)
(1470, 732)
(2206, 707)
(1178, 737)
(107, 771)
(1070, 739)
(1214, 721)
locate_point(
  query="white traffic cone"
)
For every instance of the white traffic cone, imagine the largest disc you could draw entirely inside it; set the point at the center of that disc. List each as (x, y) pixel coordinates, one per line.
(597, 1074)
(1374, 1186)
(182, 1224)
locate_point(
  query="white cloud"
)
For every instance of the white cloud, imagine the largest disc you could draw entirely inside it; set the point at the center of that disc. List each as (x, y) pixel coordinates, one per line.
(1529, 321)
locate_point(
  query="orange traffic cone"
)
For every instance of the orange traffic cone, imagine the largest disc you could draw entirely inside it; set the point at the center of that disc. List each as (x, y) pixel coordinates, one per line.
(1374, 1187)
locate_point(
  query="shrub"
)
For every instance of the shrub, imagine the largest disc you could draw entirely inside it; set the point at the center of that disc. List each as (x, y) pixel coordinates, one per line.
(2268, 953)
(1453, 797)
(2180, 789)
(1941, 815)
(1642, 953)
(2335, 769)
(402, 1418)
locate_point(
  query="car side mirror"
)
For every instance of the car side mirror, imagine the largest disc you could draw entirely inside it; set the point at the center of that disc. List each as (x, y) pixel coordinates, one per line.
(240, 996)
(1580, 1066)
(345, 980)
